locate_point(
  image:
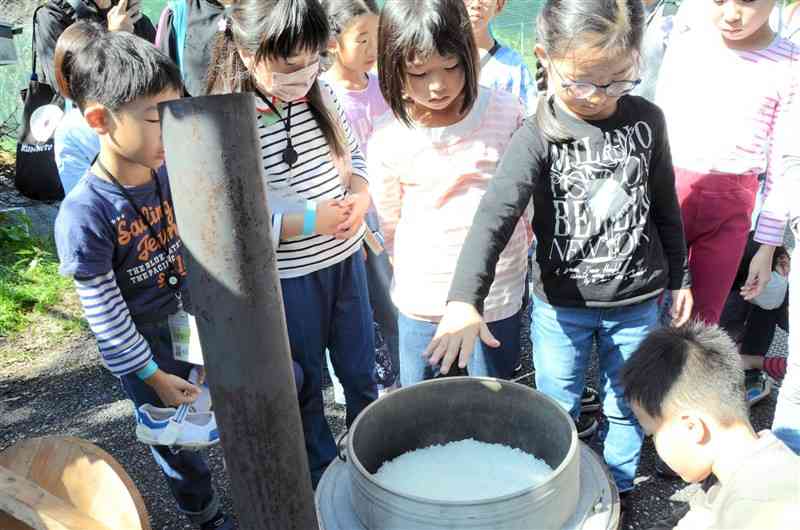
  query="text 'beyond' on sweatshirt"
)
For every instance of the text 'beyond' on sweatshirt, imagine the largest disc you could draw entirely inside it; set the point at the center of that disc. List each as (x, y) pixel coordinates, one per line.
(606, 215)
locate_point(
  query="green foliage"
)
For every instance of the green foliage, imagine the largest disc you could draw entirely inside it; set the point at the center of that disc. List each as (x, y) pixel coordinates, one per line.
(29, 279)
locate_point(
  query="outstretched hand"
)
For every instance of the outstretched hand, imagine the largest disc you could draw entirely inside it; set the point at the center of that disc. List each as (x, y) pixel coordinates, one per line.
(455, 336)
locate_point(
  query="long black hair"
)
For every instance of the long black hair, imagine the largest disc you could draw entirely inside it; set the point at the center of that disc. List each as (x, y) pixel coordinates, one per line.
(410, 29)
(614, 27)
(271, 29)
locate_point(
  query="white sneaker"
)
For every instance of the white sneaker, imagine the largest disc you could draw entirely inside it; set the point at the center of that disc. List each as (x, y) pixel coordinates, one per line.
(203, 402)
(171, 427)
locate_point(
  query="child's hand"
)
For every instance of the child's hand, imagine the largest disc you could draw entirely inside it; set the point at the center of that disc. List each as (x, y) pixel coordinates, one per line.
(760, 272)
(455, 336)
(171, 389)
(358, 203)
(330, 215)
(119, 19)
(682, 303)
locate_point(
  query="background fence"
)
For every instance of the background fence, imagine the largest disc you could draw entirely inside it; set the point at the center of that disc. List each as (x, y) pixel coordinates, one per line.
(515, 27)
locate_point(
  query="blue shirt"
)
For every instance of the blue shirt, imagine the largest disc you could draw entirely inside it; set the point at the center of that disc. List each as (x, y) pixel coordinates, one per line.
(75, 145)
(506, 70)
(97, 230)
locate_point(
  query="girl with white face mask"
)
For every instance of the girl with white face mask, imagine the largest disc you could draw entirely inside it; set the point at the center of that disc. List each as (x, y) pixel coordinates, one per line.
(318, 194)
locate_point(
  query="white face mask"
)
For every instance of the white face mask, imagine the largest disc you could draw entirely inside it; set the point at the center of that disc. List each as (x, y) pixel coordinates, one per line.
(291, 87)
(773, 294)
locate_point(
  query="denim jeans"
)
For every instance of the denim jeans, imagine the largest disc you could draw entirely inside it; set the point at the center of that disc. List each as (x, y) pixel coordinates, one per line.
(562, 340)
(786, 424)
(329, 309)
(416, 335)
(186, 472)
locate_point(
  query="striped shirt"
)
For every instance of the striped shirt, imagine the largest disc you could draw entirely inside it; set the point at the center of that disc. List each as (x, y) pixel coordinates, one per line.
(427, 184)
(122, 348)
(313, 177)
(729, 111)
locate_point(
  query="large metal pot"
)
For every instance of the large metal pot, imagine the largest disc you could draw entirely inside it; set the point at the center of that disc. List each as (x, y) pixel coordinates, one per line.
(449, 409)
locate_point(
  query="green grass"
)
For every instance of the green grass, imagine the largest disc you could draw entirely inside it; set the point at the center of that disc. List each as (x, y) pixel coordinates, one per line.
(29, 281)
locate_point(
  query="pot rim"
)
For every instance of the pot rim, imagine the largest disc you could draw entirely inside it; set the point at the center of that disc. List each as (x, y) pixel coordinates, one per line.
(569, 457)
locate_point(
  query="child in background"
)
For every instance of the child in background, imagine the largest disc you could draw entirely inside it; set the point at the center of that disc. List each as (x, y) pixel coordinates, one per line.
(728, 125)
(75, 144)
(120, 207)
(596, 163)
(501, 67)
(752, 324)
(353, 48)
(659, 16)
(430, 165)
(318, 191)
(686, 387)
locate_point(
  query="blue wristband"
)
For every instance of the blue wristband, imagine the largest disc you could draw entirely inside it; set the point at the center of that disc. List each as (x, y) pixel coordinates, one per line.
(310, 218)
(149, 369)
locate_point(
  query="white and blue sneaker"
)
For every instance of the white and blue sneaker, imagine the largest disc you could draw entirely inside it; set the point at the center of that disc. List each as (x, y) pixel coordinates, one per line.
(176, 428)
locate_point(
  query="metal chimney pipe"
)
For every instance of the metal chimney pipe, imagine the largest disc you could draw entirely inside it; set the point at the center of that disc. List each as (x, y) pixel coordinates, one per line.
(218, 188)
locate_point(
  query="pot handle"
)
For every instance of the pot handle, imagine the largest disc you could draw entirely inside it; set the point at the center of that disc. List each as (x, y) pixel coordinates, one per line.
(341, 445)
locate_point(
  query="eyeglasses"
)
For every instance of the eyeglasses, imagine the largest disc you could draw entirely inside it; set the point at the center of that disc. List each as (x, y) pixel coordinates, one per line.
(584, 90)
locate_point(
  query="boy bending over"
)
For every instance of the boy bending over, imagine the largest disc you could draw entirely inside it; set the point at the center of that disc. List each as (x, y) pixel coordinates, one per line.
(686, 387)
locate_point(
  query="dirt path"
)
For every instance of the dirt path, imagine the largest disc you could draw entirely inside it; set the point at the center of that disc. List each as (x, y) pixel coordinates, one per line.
(69, 392)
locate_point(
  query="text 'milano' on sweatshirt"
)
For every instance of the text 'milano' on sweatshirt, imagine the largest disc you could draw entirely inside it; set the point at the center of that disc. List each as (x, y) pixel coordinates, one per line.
(606, 215)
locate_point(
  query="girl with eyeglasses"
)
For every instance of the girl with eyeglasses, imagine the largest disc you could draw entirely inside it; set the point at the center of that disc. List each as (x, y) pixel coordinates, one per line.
(596, 162)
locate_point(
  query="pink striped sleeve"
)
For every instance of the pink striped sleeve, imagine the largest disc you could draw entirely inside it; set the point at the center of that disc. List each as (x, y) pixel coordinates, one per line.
(783, 169)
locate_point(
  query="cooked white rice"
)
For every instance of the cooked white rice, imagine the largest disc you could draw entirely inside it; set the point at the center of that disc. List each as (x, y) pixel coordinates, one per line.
(466, 470)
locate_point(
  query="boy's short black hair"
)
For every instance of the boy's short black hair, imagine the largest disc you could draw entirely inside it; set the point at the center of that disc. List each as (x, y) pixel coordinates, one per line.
(117, 68)
(695, 366)
(418, 28)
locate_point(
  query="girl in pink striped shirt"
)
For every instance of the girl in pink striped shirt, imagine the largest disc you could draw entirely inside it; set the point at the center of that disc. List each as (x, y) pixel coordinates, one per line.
(727, 87)
(431, 165)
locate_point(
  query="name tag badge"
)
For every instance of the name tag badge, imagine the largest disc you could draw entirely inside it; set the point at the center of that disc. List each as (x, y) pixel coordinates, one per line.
(185, 338)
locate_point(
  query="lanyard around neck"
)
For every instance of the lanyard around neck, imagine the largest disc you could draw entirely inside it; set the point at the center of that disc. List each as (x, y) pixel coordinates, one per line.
(289, 154)
(173, 278)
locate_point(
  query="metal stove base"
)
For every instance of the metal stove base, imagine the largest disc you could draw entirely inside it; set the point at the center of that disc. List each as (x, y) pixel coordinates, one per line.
(598, 505)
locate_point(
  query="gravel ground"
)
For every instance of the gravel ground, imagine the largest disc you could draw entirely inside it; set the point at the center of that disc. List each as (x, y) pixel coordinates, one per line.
(70, 393)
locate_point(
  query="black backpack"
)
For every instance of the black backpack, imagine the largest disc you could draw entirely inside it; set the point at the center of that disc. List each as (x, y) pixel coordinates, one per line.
(36, 175)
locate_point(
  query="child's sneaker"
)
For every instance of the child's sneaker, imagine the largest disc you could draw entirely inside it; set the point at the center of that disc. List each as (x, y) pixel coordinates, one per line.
(176, 428)
(756, 386)
(590, 400)
(586, 425)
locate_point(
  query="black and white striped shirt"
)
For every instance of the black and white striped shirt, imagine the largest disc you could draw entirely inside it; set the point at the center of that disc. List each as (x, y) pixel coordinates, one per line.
(313, 177)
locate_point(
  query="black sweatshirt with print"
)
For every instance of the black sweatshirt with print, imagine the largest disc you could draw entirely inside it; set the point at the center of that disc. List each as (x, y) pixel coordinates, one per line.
(606, 216)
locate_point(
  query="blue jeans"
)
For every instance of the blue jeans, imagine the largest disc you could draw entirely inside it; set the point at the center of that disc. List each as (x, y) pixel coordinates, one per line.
(186, 472)
(329, 309)
(562, 340)
(786, 424)
(416, 335)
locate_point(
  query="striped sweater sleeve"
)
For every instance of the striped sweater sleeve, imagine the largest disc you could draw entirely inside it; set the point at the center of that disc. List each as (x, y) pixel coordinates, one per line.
(123, 350)
(783, 169)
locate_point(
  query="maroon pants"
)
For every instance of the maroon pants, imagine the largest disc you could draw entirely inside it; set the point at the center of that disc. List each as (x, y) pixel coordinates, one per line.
(716, 210)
